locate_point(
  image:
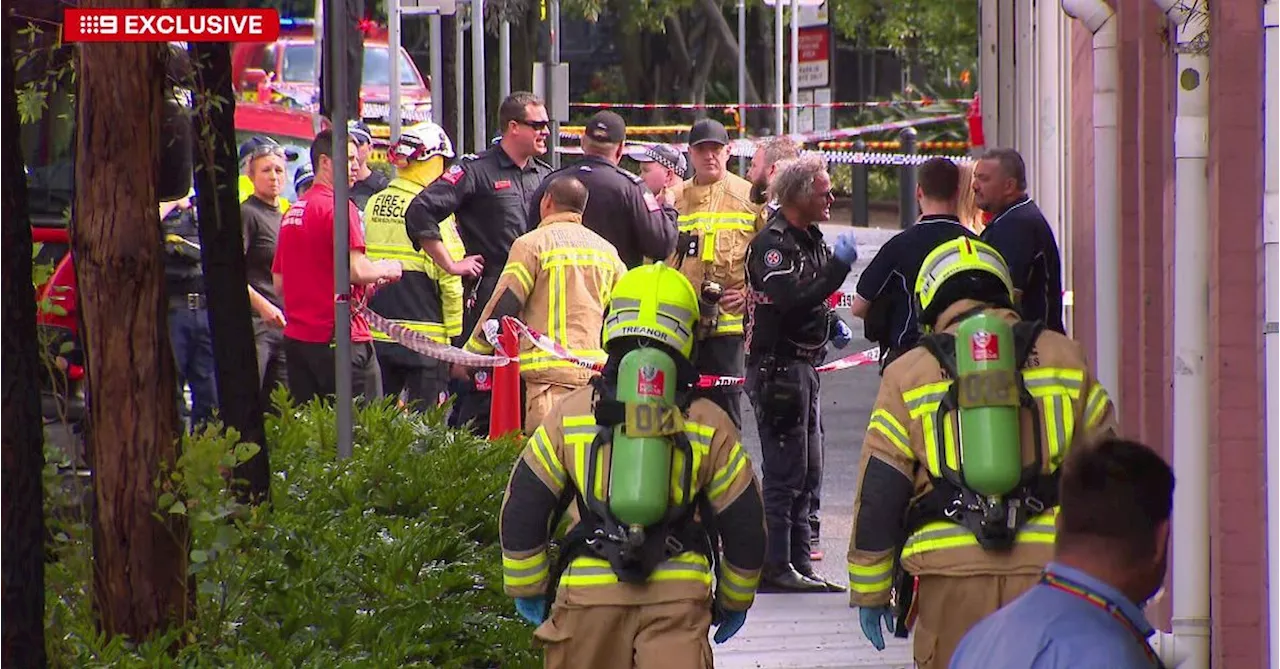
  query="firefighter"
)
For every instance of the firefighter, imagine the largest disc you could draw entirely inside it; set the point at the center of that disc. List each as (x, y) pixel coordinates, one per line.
(557, 281)
(427, 299)
(489, 194)
(957, 491)
(717, 221)
(630, 591)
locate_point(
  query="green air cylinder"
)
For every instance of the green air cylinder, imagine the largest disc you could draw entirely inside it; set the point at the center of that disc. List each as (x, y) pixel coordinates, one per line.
(640, 461)
(990, 445)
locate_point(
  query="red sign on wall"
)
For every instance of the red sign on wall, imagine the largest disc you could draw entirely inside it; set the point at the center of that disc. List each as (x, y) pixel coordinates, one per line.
(815, 57)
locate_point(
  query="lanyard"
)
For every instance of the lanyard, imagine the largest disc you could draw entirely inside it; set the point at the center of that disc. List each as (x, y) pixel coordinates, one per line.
(1072, 588)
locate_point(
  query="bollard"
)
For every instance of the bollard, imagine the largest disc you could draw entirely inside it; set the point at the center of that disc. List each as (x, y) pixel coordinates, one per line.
(860, 210)
(907, 205)
(506, 412)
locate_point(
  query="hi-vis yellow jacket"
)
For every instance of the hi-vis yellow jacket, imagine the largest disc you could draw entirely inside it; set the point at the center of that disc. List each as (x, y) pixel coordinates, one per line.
(554, 460)
(717, 222)
(557, 280)
(426, 299)
(902, 449)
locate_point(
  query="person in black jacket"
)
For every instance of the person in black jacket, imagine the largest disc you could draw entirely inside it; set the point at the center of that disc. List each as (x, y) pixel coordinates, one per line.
(790, 274)
(369, 182)
(489, 196)
(1020, 233)
(885, 292)
(620, 208)
(189, 333)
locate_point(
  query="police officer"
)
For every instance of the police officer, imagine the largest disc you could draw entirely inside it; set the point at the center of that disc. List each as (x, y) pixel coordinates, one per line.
(489, 194)
(189, 333)
(621, 210)
(916, 516)
(884, 298)
(717, 222)
(368, 181)
(663, 170)
(790, 274)
(427, 299)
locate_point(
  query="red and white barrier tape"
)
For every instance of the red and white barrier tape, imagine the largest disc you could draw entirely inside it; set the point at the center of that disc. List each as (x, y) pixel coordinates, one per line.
(423, 345)
(925, 102)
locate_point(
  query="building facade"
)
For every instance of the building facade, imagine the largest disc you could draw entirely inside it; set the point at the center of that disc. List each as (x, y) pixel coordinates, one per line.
(1235, 364)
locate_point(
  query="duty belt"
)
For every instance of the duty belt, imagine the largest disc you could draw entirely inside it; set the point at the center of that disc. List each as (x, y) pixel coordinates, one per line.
(191, 301)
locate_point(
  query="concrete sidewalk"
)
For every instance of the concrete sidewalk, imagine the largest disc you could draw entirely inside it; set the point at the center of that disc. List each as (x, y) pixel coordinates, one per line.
(817, 631)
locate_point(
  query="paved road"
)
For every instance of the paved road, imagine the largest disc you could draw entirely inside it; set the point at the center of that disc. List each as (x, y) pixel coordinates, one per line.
(820, 630)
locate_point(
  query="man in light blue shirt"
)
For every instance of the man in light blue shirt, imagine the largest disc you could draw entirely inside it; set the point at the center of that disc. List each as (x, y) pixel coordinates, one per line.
(1111, 555)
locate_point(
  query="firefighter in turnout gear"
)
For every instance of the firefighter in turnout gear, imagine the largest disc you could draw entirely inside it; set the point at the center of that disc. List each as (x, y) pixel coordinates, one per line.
(957, 493)
(427, 298)
(716, 224)
(653, 474)
(557, 280)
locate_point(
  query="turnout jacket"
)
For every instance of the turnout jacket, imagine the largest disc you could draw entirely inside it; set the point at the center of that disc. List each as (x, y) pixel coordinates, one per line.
(902, 449)
(557, 280)
(716, 224)
(426, 299)
(552, 465)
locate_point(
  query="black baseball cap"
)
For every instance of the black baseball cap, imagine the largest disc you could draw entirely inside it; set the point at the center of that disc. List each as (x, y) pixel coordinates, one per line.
(708, 130)
(606, 126)
(260, 145)
(664, 155)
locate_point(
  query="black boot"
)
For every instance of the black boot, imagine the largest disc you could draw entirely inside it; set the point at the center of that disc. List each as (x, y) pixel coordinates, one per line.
(812, 575)
(785, 578)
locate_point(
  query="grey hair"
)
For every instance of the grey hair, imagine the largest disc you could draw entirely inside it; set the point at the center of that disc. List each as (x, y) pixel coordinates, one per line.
(779, 148)
(794, 179)
(1011, 164)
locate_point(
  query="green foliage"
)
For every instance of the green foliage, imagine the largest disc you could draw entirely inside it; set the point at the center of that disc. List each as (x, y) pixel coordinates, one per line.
(388, 559)
(936, 35)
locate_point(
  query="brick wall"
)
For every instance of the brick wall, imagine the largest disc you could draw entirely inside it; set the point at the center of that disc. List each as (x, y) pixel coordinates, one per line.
(1081, 224)
(1129, 15)
(1237, 485)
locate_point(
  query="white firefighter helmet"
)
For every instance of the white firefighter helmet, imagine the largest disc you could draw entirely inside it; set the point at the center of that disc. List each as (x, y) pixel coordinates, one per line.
(421, 141)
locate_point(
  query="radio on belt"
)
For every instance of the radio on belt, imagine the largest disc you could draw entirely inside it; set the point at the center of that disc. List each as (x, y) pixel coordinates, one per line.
(709, 307)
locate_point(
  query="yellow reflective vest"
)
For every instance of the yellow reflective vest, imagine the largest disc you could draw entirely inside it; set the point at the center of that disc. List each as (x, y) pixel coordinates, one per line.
(246, 189)
(426, 299)
(717, 223)
(903, 434)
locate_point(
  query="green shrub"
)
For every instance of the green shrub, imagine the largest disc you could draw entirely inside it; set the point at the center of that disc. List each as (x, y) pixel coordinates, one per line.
(388, 559)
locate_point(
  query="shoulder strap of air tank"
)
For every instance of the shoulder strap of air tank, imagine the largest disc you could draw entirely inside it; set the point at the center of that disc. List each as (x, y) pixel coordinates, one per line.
(1025, 334)
(943, 348)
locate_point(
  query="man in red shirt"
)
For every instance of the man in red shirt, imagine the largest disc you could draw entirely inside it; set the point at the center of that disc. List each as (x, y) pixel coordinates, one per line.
(303, 275)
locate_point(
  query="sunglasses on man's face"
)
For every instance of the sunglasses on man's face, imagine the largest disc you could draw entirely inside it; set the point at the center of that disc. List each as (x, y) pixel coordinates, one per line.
(536, 125)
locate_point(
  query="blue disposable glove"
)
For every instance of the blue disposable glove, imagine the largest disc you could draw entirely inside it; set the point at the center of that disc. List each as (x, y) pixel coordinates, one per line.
(847, 248)
(841, 335)
(870, 617)
(729, 625)
(532, 609)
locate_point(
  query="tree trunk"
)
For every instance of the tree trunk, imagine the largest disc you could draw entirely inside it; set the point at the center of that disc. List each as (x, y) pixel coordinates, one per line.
(720, 26)
(22, 504)
(222, 255)
(140, 562)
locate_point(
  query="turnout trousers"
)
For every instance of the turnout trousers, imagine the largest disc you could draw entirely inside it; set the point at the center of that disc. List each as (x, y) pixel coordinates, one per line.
(792, 468)
(722, 356)
(653, 636)
(949, 606)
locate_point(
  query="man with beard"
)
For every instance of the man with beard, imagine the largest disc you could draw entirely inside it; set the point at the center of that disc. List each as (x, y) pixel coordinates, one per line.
(764, 164)
(488, 195)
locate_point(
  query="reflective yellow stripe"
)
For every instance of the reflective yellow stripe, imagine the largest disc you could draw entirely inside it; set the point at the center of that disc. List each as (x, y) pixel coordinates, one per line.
(736, 587)
(579, 432)
(435, 331)
(537, 359)
(552, 296)
(1051, 407)
(1053, 380)
(883, 422)
(699, 437)
(871, 579)
(929, 429)
(924, 399)
(521, 274)
(728, 323)
(724, 478)
(545, 454)
(940, 535)
(563, 306)
(517, 572)
(411, 260)
(1096, 405)
(588, 572)
(950, 448)
(710, 221)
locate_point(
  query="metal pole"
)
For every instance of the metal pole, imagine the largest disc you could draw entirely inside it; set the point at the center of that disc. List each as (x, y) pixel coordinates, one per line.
(553, 19)
(907, 205)
(393, 52)
(742, 80)
(795, 65)
(861, 209)
(504, 59)
(779, 74)
(341, 232)
(436, 35)
(318, 35)
(477, 73)
(460, 80)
